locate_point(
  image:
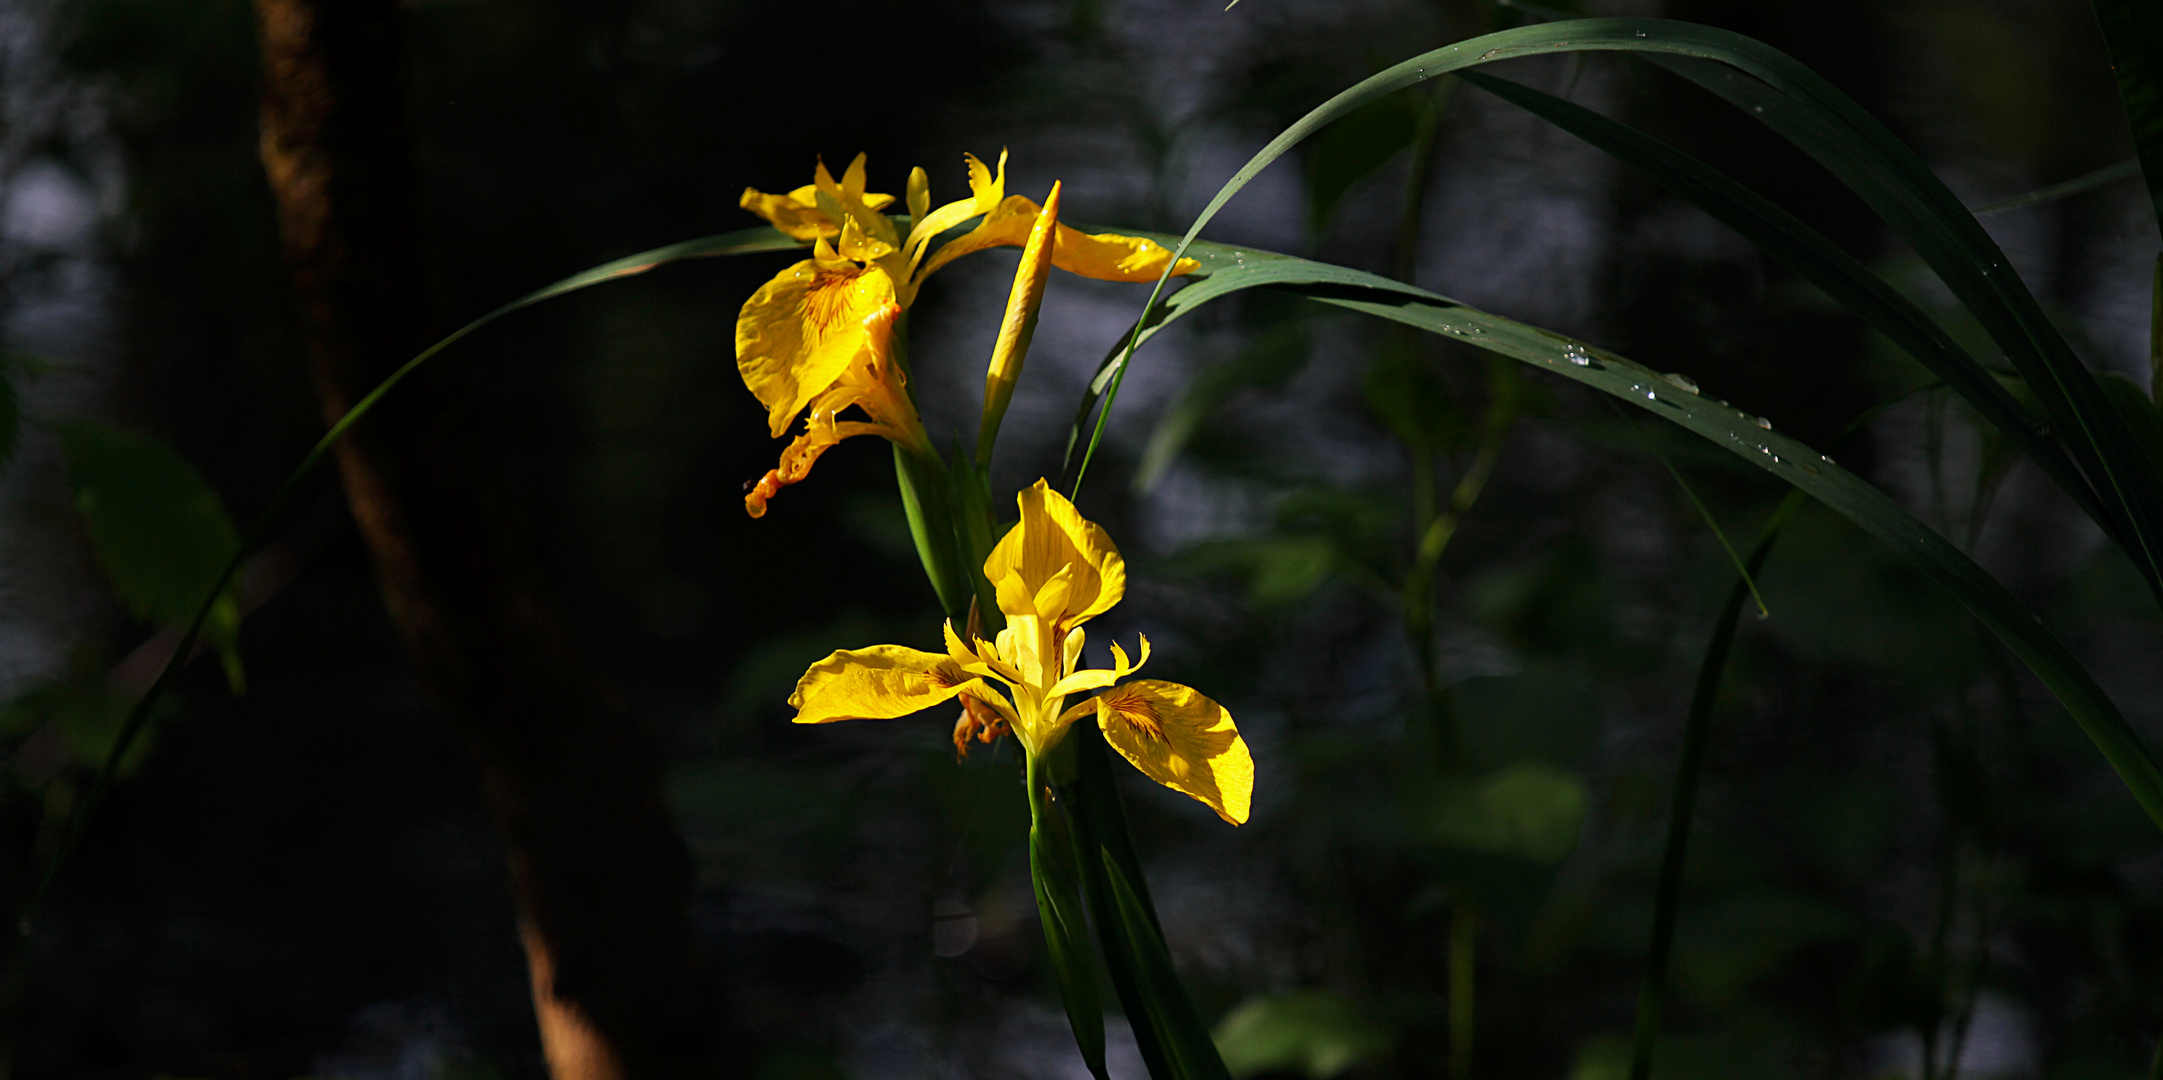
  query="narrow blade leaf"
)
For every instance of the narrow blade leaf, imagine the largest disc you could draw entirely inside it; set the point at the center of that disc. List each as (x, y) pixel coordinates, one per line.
(1066, 937)
(1229, 270)
(2133, 32)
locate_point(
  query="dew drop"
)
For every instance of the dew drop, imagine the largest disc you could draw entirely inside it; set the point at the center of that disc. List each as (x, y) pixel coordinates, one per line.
(1686, 383)
(1764, 423)
(1577, 356)
(1640, 33)
(1757, 108)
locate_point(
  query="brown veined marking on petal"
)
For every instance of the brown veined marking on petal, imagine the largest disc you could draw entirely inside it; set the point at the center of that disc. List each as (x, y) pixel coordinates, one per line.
(1138, 711)
(948, 675)
(826, 304)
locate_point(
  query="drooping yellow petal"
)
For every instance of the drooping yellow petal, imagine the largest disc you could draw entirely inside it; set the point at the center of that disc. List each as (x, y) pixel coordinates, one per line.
(797, 460)
(800, 331)
(1053, 539)
(1183, 740)
(879, 683)
(797, 213)
(1018, 326)
(1104, 256)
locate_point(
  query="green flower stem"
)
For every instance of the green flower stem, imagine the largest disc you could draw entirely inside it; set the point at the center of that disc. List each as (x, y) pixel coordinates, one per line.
(1435, 528)
(1688, 772)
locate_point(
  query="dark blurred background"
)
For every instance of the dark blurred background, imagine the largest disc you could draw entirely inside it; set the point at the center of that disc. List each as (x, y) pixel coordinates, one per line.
(1908, 858)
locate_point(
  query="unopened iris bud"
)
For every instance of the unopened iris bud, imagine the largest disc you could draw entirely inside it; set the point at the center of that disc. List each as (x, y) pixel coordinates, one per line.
(1019, 325)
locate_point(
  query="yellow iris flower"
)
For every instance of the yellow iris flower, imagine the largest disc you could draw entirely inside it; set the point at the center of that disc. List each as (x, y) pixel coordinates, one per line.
(822, 334)
(1053, 571)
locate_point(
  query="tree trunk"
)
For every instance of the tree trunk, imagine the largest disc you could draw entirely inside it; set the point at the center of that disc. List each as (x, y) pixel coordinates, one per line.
(600, 877)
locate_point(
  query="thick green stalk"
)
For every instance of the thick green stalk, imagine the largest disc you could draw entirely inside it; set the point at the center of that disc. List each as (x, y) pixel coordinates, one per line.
(1052, 870)
(1093, 811)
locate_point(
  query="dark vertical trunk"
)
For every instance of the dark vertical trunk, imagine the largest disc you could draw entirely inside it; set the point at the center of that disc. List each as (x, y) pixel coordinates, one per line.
(601, 878)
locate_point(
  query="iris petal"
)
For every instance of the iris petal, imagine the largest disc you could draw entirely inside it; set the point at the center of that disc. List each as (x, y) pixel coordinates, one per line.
(1104, 256)
(1183, 740)
(880, 683)
(1053, 538)
(800, 331)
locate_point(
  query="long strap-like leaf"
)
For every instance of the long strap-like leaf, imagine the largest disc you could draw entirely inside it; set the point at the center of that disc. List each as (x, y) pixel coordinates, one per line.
(1807, 252)
(2133, 32)
(1229, 270)
(1809, 111)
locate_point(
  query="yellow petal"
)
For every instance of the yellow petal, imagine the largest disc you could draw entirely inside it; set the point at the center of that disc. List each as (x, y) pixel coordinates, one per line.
(1083, 680)
(786, 214)
(985, 187)
(854, 177)
(1093, 678)
(985, 194)
(1183, 740)
(977, 660)
(1050, 540)
(822, 433)
(1071, 650)
(855, 244)
(847, 203)
(800, 331)
(1104, 256)
(879, 683)
(797, 213)
(919, 192)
